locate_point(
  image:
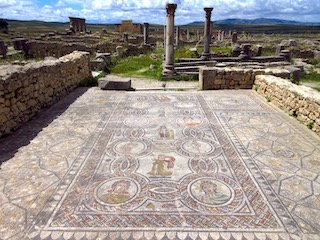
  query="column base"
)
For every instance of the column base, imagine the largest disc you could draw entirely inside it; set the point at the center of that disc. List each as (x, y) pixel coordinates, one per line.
(205, 56)
(168, 71)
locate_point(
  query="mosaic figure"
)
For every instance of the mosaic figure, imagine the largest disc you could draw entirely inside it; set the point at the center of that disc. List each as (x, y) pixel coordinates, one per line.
(165, 133)
(211, 194)
(190, 122)
(161, 164)
(117, 193)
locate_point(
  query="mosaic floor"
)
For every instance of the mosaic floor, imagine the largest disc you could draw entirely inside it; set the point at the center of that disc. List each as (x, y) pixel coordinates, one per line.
(166, 165)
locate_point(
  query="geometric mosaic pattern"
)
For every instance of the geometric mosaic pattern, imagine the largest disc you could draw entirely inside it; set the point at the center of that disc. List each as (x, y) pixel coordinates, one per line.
(167, 166)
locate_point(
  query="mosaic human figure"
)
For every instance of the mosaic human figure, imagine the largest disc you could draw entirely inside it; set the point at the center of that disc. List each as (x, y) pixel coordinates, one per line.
(165, 133)
(190, 122)
(211, 194)
(117, 193)
(161, 164)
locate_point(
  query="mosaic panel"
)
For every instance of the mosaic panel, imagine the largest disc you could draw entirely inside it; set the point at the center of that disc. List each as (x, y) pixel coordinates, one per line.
(165, 162)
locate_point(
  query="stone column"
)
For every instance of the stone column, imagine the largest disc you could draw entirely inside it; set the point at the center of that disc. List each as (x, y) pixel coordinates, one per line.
(177, 35)
(234, 37)
(188, 34)
(164, 43)
(126, 37)
(145, 33)
(222, 36)
(207, 34)
(168, 70)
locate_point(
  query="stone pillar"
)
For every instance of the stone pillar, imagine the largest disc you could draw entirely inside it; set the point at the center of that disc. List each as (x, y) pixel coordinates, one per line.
(234, 37)
(279, 48)
(164, 43)
(259, 51)
(198, 35)
(218, 35)
(222, 36)
(207, 34)
(168, 70)
(177, 35)
(126, 37)
(188, 34)
(145, 33)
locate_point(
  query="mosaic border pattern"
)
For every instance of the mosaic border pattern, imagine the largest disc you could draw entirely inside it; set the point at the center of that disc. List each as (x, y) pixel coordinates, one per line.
(237, 156)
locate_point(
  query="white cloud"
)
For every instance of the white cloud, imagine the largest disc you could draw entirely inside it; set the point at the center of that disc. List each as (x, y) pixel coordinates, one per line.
(153, 11)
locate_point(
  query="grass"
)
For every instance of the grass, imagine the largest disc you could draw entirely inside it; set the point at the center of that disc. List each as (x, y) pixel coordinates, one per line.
(313, 78)
(139, 65)
(310, 77)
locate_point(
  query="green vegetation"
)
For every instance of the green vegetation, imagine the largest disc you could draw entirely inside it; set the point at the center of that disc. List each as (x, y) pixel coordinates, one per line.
(310, 125)
(14, 57)
(268, 99)
(312, 79)
(142, 65)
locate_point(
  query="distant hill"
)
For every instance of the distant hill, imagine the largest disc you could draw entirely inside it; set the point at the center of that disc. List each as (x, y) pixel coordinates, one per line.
(258, 21)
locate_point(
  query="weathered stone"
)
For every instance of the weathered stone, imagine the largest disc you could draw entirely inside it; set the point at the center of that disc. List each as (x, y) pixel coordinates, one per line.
(298, 100)
(107, 84)
(26, 88)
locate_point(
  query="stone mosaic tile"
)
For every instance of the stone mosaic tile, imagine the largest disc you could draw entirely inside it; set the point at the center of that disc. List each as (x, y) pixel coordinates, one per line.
(172, 166)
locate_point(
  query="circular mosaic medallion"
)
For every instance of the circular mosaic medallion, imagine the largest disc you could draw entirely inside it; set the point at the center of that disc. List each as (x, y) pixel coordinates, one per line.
(136, 121)
(134, 147)
(117, 191)
(184, 104)
(190, 147)
(141, 105)
(230, 101)
(189, 121)
(211, 193)
(194, 146)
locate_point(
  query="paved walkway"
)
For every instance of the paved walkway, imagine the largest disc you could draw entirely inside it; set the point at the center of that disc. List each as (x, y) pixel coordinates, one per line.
(160, 165)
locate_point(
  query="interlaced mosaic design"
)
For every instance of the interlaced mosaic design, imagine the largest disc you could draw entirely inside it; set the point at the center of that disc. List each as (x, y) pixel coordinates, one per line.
(165, 162)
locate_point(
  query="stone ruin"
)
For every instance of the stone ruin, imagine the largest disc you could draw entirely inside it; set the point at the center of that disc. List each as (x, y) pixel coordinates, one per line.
(128, 26)
(241, 52)
(3, 26)
(77, 25)
(3, 49)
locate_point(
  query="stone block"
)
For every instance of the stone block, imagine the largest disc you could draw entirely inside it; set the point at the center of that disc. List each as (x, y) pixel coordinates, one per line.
(107, 84)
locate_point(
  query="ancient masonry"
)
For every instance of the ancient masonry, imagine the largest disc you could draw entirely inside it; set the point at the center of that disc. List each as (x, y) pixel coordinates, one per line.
(24, 90)
(299, 101)
(214, 78)
(128, 26)
(77, 24)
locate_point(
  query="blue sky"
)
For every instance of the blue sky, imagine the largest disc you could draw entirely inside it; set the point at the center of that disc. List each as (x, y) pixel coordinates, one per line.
(153, 11)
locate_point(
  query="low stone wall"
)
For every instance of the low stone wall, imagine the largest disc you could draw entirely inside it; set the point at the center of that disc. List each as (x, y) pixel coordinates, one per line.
(43, 49)
(24, 90)
(299, 101)
(213, 78)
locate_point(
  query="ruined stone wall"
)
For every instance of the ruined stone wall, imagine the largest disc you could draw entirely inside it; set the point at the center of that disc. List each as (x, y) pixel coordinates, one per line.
(43, 49)
(297, 53)
(24, 90)
(299, 101)
(212, 78)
